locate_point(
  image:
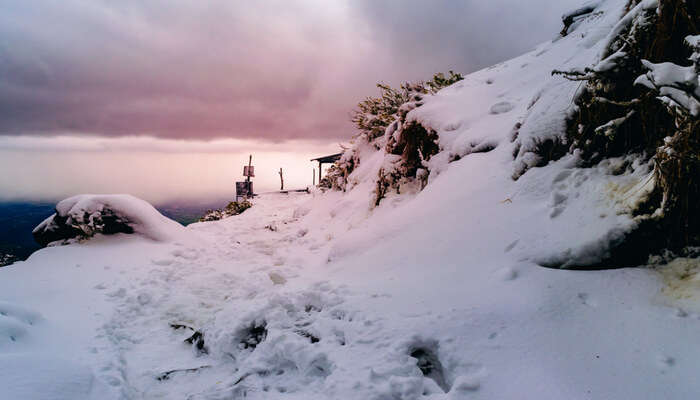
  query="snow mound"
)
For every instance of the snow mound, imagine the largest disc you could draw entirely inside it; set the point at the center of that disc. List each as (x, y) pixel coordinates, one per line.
(83, 216)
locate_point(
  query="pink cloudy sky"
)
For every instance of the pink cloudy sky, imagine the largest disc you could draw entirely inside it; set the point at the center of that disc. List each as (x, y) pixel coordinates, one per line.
(256, 72)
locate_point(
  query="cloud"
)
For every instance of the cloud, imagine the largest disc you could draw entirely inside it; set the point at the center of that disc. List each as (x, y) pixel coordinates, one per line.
(464, 35)
(148, 144)
(271, 70)
(155, 169)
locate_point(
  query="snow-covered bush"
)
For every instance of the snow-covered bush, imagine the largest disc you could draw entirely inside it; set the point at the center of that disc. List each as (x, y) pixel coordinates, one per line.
(374, 114)
(383, 127)
(232, 208)
(411, 145)
(7, 259)
(643, 98)
(677, 86)
(81, 217)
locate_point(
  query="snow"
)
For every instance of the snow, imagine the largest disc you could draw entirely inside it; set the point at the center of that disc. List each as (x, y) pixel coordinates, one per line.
(500, 326)
(436, 294)
(61, 379)
(678, 85)
(586, 8)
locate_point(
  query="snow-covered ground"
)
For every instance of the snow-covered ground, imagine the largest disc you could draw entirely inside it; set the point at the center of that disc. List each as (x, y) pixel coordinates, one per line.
(437, 294)
(343, 310)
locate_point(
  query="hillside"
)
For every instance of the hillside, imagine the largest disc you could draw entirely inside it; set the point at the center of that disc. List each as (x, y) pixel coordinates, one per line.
(420, 276)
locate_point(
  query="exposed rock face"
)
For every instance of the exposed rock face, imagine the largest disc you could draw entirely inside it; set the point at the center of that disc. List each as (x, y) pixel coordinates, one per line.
(81, 217)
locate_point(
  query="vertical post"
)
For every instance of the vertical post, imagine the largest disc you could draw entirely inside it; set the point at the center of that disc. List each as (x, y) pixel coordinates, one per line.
(249, 186)
(313, 175)
(319, 172)
(281, 180)
(250, 161)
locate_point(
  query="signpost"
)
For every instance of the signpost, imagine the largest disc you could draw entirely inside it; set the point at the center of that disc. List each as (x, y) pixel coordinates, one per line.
(244, 190)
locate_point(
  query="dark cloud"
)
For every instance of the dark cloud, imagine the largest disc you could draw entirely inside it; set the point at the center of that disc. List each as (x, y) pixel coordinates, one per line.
(266, 69)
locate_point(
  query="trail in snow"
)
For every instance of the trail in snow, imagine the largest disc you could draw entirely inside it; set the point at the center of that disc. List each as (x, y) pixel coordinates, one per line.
(279, 320)
(245, 265)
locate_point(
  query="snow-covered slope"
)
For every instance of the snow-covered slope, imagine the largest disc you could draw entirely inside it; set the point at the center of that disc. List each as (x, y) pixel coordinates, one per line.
(432, 294)
(491, 123)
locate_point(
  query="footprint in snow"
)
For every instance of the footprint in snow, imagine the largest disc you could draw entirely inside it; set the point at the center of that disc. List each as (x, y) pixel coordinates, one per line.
(452, 126)
(585, 299)
(558, 204)
(501, 107)
(143, 298)
(119, 293)
(277, 279)
(681, 313)
(507, 274)
(187, 254)
(665, 363)
(466, 384)
(14, 322)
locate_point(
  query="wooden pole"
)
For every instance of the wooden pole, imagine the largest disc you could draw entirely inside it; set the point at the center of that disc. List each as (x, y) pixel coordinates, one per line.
(281, 180)
(313, 176)
(319, 172)
(250, 161)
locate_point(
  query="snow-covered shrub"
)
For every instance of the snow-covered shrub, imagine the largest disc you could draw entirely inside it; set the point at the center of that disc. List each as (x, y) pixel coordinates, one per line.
(643, 98)
(7, 259)
(383, 127)
(81, 217)
(374, 114)
(412, 146)
(232, 208)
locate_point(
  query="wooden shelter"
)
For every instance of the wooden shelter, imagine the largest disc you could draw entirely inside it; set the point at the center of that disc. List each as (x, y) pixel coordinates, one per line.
(326, 160)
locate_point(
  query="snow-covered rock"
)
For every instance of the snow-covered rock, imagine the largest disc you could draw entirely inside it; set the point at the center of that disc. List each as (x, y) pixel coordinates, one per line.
(83, 216)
